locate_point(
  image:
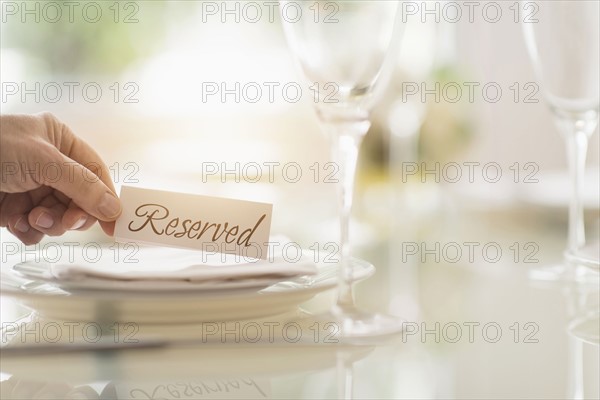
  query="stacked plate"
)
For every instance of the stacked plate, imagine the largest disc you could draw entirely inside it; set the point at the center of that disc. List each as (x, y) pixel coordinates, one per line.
(158, 285)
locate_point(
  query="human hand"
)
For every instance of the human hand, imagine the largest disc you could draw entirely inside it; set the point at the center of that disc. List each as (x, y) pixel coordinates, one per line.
(52, 181)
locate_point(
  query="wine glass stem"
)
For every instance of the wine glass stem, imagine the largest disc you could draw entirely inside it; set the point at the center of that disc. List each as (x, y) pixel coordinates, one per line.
(345, 376)
(346, 147)
(576, 143)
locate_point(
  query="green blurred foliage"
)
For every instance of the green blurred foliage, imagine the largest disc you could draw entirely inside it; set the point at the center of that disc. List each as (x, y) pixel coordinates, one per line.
(126, 31)
(447, 127)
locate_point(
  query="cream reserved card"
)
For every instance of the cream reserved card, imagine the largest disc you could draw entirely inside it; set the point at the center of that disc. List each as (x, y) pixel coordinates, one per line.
(205, 223)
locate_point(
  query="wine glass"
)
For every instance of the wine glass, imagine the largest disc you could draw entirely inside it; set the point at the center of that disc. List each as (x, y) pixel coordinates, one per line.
(563, 41)
(346, 49)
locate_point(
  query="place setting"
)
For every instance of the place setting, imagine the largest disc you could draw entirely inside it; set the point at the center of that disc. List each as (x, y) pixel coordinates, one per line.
(172, 274)
(152, 277)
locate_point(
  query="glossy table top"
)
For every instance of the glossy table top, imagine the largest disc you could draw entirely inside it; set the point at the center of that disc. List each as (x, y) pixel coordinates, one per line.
(476, 326)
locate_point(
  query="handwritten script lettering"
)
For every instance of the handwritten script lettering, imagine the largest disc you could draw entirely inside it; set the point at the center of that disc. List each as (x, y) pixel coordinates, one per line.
(185, 220)
(155, 217)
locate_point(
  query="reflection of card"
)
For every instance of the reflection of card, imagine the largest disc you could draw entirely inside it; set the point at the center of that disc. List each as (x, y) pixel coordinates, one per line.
(225, 388)
(205, 223)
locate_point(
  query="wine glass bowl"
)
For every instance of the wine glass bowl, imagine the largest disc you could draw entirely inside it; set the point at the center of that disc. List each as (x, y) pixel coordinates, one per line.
(347, 45)
(564, 47)
(347, 58)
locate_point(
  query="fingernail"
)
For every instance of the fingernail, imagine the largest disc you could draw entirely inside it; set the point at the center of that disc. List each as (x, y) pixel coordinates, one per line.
(21, 225)
(44, 221)
(80, 222)
(109, 206)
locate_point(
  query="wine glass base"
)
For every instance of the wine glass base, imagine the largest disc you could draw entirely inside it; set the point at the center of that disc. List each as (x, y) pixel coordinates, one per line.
(586, 329)
(580, 267)
(588, 256)
(349, 324)
(563, 273)
(575, 269)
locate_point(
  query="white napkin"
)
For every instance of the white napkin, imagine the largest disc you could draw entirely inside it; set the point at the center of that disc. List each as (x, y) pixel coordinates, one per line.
(176, 265)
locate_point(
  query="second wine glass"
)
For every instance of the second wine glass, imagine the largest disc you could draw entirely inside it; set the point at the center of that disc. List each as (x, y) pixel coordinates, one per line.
(563, 41)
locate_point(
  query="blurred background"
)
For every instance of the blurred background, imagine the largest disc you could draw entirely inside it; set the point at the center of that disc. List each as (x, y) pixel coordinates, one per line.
(135, 78)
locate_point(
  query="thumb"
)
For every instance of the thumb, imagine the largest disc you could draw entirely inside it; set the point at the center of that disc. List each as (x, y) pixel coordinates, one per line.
(84, 187)
(83, 175)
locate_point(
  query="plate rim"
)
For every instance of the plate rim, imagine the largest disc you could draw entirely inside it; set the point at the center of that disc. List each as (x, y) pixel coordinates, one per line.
(365, 268)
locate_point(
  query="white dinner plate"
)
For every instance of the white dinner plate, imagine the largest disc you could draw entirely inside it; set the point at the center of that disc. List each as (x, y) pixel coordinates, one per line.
(164, 307)
(153, 269)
